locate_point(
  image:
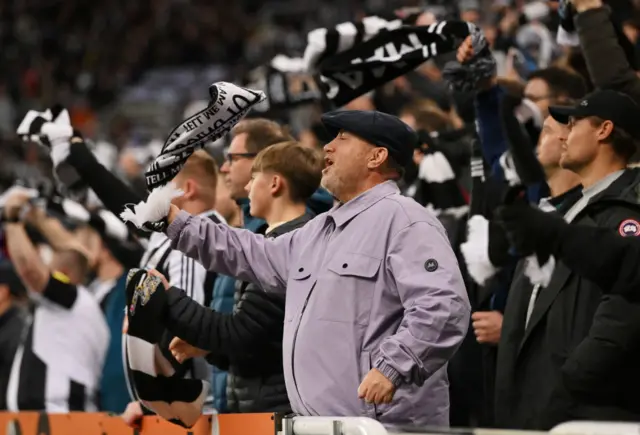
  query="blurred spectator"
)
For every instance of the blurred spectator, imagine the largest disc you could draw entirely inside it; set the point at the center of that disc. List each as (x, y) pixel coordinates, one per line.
(59, 362)
(12, 322)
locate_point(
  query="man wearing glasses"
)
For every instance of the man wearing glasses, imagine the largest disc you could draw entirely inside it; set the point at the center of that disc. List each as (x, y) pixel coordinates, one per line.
(248, 138)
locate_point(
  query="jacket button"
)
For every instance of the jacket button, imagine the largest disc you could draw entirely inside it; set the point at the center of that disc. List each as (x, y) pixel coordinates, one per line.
(301, 269)
(344, 266)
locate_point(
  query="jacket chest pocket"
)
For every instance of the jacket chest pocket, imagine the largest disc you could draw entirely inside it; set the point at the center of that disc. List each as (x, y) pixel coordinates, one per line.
(346, 290)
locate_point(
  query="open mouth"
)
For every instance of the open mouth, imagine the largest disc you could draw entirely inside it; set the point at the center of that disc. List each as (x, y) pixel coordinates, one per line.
(327, 162)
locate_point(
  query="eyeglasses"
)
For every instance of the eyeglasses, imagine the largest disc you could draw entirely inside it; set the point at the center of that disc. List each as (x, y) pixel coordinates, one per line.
(234, 157)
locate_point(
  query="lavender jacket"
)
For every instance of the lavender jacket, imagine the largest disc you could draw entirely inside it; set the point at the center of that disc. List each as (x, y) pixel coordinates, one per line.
(371, 283)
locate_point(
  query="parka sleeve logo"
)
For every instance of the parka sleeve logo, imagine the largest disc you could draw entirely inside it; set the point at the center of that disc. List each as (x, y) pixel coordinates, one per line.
(629, 228)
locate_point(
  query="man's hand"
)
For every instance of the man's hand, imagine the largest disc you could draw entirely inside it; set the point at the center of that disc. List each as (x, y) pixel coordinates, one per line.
(487, 326)
(465, 51)
(133, 414)
(376, 388)
(182, 351)
(14, 204)
(464, 55)
(584, 5)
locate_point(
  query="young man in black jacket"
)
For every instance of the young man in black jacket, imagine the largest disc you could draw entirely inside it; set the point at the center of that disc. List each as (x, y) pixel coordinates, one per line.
(249, 342)
(602, 369)
(543, 325)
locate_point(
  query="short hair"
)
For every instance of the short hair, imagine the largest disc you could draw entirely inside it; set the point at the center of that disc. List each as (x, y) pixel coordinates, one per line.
(201, 165)
(562, 82)
(623, 144)
(394, 166)
(300, 166)
(428, 115)
(74, 262)
(261, 133)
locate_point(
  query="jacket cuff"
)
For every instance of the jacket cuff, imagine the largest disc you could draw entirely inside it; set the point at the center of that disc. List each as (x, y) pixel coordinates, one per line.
(389, 372)
(175, 228)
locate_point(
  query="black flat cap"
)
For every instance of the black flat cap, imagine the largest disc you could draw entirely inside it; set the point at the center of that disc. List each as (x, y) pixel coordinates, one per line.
(380, 129)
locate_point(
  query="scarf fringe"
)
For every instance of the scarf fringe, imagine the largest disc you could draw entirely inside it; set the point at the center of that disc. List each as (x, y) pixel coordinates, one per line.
(476, 250)
(155, 208)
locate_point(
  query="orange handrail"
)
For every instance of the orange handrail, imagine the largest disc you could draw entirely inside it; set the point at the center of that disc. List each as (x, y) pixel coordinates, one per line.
(36, 423)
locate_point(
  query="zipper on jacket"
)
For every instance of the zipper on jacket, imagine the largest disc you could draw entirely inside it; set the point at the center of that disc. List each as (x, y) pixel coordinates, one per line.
(293, 345)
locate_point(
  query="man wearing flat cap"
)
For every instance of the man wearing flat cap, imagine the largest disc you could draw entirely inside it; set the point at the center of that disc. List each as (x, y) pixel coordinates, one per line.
(375, 301)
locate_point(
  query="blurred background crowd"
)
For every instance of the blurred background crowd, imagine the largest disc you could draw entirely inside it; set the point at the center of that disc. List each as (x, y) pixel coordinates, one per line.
(130, 71)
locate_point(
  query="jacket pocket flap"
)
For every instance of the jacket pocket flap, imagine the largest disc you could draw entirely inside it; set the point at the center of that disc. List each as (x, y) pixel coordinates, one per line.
(355, 264)
(301, 272)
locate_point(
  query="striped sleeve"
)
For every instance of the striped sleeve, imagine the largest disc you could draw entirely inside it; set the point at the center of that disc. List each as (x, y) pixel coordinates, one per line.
(186, 274)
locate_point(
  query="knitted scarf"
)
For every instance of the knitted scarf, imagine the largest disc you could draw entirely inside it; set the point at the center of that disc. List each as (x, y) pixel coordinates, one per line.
(154, 373)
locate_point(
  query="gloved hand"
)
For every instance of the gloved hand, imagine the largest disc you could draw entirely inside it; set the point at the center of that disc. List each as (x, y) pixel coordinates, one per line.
(53, 130)
(530, 230)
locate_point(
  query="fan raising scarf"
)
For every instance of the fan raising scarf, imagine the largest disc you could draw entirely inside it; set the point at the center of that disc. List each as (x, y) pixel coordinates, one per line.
(353, 59)
(172, 397)
(52, 129)
(228, 105)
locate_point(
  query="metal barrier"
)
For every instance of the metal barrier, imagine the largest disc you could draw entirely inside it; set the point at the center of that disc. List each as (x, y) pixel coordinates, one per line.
(332, 426)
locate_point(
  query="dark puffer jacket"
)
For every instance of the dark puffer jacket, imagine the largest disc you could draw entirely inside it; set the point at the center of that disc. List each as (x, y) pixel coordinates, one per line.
(246, 343)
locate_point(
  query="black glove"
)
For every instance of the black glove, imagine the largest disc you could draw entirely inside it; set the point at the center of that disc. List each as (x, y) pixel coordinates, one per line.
(498, 244)
(530, 230)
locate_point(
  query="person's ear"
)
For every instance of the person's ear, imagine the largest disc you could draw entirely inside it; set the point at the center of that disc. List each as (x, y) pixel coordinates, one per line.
(190, 188)
(277, 185)
(377, 157)
(605, 130)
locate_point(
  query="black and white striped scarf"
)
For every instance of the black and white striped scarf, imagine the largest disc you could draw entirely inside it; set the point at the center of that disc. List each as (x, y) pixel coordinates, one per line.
(228, 104)
(153, 372)
(437, 187)
(354, 58)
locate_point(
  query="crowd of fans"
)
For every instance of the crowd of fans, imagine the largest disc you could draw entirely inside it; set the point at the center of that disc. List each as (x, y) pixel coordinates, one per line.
(542, 347)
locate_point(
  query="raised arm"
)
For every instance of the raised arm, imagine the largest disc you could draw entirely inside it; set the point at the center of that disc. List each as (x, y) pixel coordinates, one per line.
(606, 60)
(25, 258)
(234, 252)
(56, 234)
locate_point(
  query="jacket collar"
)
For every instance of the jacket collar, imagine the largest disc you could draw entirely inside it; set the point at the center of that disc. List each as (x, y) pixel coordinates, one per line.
(343, 213)
(291, 225)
